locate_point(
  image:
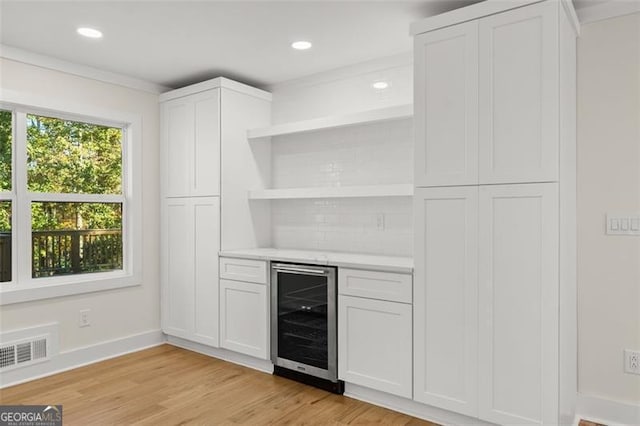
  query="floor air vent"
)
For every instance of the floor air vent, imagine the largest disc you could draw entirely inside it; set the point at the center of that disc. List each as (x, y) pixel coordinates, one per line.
(23, 353)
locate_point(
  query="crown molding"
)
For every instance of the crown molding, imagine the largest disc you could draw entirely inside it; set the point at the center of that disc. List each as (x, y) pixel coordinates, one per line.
(610, 9)
(44, 61)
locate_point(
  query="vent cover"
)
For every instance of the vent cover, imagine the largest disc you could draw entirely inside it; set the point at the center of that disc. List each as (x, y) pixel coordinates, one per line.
(23, 353)
(7, 356)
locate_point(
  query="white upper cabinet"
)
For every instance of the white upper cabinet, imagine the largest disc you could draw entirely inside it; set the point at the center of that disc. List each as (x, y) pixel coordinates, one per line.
(487, 100)
(446, 105)
(518, 299)
(519, 95)
(446, 298)
(191, 145)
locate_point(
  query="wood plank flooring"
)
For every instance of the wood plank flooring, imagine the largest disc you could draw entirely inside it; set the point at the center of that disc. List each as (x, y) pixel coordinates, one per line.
(166, 385)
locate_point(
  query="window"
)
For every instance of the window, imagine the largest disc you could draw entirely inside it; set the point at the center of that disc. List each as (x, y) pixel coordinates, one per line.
(66, 204)
(66, 160)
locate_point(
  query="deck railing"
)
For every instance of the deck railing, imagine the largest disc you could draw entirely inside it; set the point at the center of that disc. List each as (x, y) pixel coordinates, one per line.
(5, 256)
(74, 252)
(67, 252)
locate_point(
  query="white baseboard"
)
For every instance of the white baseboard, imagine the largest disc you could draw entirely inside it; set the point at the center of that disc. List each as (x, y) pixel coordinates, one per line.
(223, 354)
(79, 357)
(608, 412)
(410, 407)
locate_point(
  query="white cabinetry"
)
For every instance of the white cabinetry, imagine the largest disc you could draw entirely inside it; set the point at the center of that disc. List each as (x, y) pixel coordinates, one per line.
(374, 336)
(244, 318)
(190, 239)
(446, 297)
(191, 145)
(495, 176)
(487, 99)
(493, 247)
(446, 106)
(198, 123)
(519, 95)
(518, 299)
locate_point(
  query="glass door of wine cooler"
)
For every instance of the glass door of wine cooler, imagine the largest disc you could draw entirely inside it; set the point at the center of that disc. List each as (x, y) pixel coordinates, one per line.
(304, 319)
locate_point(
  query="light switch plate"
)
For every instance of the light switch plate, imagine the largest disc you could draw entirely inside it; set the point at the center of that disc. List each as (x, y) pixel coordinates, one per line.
(623, 224)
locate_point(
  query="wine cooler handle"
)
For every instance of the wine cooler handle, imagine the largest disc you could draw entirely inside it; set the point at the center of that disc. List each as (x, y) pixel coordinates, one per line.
(292, 270)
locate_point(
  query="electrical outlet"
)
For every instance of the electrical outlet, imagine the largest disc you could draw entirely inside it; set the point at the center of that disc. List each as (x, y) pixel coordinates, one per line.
(380, 221)
(631, 361)
(84, 318)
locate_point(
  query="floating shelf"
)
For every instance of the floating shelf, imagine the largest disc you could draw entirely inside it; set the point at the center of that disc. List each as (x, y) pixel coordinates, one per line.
(332, 122)
(395, 190)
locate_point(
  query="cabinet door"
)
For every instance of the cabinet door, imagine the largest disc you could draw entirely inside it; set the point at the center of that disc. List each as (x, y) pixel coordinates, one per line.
(519, 139)
(206, 144)
(244, 321)
(177, 268)
(191, 145)
(518, 300)
(374, 344)
(206, 231)
(177, 146)
(446, 105)
(446, 297)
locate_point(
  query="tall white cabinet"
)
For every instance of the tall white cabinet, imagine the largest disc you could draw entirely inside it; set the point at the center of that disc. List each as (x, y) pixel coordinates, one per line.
(199, 124)
(494, 207)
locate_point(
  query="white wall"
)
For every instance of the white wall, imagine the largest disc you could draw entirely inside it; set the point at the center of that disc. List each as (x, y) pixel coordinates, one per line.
(344, 90)
(118, 313)
(608, 181)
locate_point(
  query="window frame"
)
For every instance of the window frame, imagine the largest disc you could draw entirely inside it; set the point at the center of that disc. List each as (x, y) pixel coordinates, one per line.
(23, 287)
(10, 196)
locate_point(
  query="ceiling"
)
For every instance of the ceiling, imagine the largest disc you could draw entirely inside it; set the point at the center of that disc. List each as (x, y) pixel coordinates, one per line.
(175, 43)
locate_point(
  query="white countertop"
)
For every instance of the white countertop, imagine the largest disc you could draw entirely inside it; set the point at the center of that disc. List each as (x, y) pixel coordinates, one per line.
(345, 260)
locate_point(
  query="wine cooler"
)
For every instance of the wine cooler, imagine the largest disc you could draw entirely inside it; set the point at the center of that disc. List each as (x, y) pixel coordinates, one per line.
(304, 324)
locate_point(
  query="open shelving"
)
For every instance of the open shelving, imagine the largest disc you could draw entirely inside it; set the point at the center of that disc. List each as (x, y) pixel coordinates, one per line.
(393, 190)
(336, 121)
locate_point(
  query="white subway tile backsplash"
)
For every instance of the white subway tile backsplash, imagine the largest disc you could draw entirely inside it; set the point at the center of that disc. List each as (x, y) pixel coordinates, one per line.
(349, 225)
(372, 154)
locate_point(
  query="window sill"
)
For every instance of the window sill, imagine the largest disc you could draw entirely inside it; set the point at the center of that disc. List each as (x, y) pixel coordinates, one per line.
(48, 288)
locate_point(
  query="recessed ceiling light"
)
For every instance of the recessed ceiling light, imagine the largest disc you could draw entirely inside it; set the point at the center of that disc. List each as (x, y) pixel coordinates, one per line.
(301, 45)
(379, 85)
(89, 32)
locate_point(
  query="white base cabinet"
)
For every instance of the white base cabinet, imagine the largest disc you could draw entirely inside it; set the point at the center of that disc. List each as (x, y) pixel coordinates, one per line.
(244, 318)
(374, 344)
(486, 301)
(446, 298)
(375, 330)
(191, 241)
(518, 302)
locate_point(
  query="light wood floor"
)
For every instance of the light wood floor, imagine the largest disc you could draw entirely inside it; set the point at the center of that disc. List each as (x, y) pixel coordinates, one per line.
(168, 386)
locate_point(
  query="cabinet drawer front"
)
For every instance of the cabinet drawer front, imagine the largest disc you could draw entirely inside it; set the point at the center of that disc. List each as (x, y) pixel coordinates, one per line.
(375, 285)
(254, 271)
